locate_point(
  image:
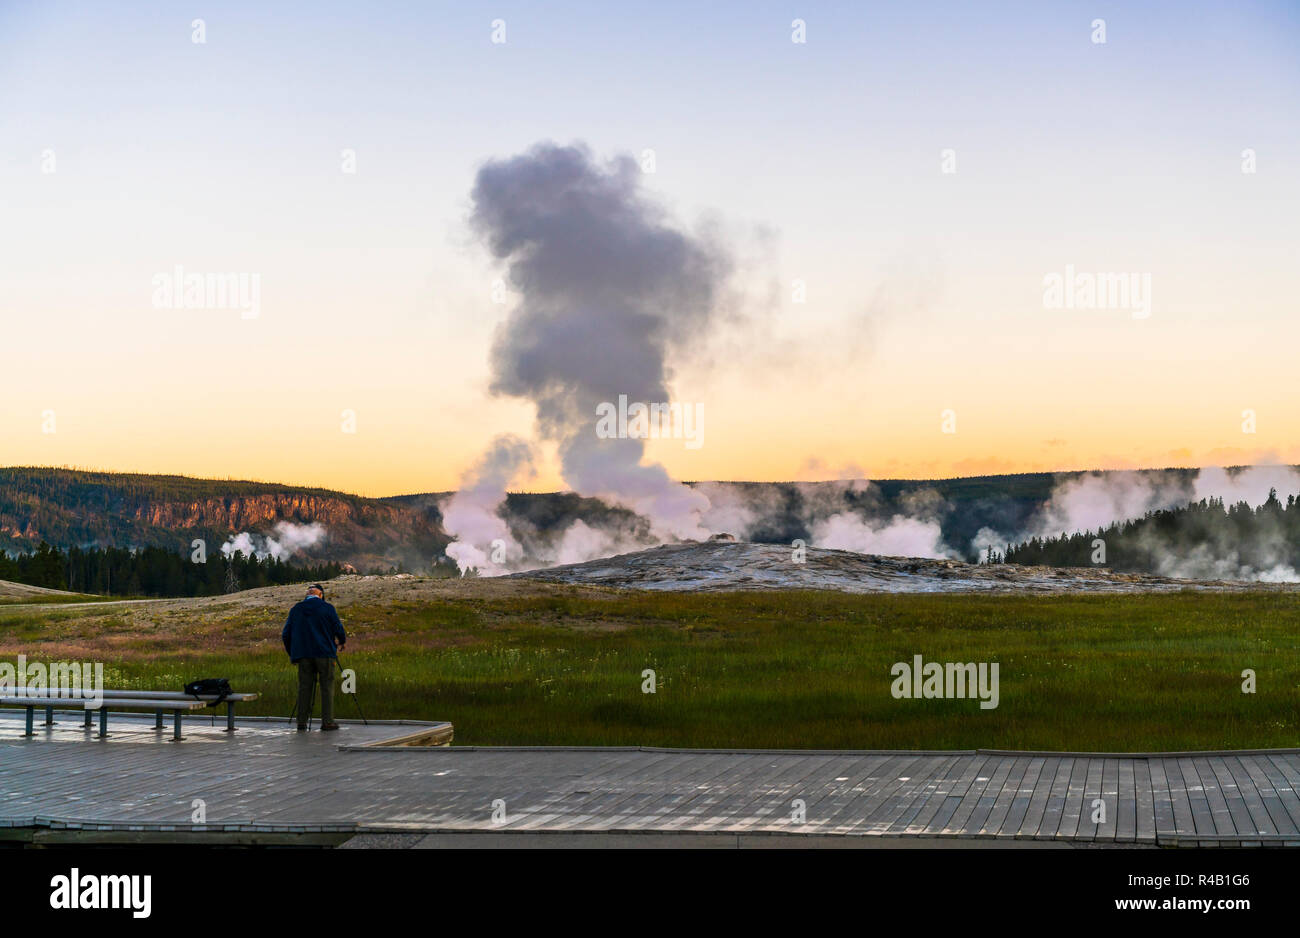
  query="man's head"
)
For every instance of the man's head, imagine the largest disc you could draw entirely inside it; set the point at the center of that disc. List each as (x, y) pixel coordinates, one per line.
(316, 590)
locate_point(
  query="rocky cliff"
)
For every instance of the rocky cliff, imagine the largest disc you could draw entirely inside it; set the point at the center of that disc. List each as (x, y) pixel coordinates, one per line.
(89, 509)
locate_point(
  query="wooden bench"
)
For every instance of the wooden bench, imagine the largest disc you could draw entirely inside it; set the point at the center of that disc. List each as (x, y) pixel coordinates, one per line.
(156, 700)
(49, 702)
(169, 695)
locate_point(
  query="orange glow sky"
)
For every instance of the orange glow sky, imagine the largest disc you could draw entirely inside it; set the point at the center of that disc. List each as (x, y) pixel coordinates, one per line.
(924, 290)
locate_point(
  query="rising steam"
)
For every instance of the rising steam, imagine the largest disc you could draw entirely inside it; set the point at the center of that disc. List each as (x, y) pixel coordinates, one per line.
(473, 514)
(289, 539)
(1094, 500)
(609, 289)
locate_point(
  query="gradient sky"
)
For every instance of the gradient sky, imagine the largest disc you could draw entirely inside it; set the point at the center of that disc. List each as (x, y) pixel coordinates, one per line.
(817, 161)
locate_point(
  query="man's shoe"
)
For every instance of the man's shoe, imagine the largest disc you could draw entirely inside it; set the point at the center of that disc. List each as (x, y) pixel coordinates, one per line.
(326, 727)
(302, 729)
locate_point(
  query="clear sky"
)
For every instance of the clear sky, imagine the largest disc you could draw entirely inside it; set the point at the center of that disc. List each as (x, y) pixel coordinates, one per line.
(126, 149)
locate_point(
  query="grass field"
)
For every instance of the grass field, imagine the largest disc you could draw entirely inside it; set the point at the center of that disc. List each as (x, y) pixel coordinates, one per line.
(774, 670)
(15, 593)
(61, 599)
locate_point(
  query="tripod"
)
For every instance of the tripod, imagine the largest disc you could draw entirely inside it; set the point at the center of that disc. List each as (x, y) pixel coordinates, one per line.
(310, 709)
(312, 706)
(356, 700)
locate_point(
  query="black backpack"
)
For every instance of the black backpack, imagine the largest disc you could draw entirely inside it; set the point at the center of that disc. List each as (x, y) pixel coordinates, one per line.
(210, 685)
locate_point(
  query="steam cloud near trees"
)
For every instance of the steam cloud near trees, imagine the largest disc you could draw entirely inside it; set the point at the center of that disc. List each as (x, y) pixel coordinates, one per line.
(609, 289)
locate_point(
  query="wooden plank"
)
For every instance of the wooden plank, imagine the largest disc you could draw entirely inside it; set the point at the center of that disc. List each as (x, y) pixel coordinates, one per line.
(272, 779)
(1227, 785)
(640, 793)
(838, 808)
(1072, 812)
(1053, 811)
(1027, 826)
(683, 789)
(921, 779)
(838, 803)
(771, 806)
(1144, 812)
(92, 703)
(718, 806)
(957, 794)
(769, 802)
(1214, 795)
(932, 797)
(1007, 798)
(1109, 792)
(1249, 812)
(710, 790)
(619, 791)
(563, 808)
(1163, 800)
(1288, 799)
(1180, 798)
(1092, 790)
(1202, 819)
(892, 777)
(176, 695)
(973, 819)
(126, 703)
(46, 693)
(1126, 803)
(1287, 768)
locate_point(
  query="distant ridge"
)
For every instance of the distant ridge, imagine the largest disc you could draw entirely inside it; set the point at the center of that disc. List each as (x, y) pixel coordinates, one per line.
(67, 507)
(90, 508)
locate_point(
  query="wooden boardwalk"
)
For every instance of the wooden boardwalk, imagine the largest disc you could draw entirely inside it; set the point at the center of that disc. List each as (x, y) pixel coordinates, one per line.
(266, 778)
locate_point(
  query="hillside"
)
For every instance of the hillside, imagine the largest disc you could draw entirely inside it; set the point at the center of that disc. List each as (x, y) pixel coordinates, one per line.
(22, 592)
(70, 508)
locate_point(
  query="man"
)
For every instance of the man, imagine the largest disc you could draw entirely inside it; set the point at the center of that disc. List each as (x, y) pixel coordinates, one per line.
(313, 636)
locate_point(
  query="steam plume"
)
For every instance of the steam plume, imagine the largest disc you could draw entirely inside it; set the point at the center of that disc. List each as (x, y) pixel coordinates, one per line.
(610, 289)
(289, 539)
(472, 515)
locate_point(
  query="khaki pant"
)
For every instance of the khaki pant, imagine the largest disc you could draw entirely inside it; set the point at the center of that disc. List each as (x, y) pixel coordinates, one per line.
(309, 670)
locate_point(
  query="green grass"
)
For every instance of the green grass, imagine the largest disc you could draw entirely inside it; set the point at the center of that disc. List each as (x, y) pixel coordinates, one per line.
(788, 670)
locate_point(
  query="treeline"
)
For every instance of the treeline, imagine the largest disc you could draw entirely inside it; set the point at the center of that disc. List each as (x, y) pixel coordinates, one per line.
(152, 571)
(67, 506)
(1203, 540)
(109, 489)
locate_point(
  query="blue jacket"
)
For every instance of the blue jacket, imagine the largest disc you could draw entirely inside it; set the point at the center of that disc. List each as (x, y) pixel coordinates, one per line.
(311, 629)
